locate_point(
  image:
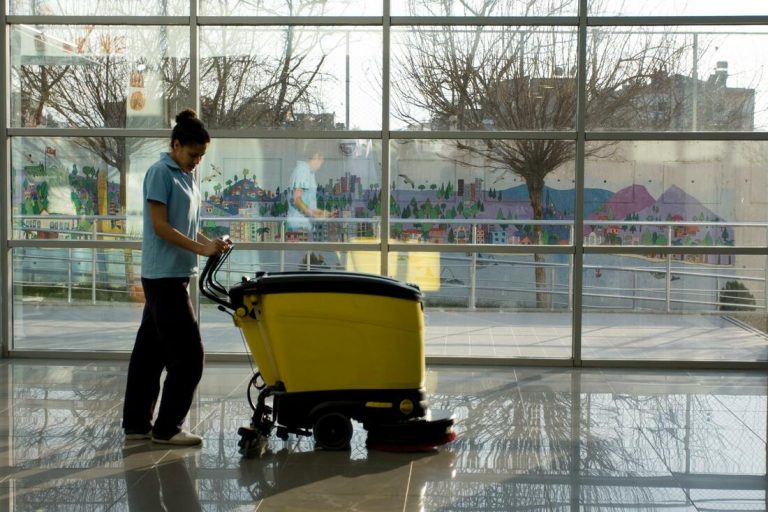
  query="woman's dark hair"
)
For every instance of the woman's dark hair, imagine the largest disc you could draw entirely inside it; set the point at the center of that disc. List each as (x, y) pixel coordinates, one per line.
(189, 129)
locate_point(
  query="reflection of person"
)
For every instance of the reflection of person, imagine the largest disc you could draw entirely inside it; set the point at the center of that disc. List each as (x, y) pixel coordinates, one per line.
(302, 204)
(169, 336)
(163, 486)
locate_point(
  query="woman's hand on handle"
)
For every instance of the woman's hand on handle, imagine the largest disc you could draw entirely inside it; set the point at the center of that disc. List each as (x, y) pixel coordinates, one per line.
(216, 247)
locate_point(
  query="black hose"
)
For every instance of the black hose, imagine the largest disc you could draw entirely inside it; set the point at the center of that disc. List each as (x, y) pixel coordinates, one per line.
(214, 282)
(254, 383)
(211, 288)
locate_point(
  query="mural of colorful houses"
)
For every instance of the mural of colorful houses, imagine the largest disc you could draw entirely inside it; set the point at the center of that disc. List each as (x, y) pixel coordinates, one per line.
(444, 212)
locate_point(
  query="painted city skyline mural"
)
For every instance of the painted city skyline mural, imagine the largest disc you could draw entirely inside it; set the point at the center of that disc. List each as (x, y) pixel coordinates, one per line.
(428, 212)
(417, 212)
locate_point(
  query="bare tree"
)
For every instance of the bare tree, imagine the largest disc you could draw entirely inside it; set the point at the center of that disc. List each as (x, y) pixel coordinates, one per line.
(266, 76)
(524, 78)
(261, 87)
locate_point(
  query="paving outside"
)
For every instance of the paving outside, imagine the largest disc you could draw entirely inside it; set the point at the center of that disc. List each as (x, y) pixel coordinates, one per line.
(457, 333)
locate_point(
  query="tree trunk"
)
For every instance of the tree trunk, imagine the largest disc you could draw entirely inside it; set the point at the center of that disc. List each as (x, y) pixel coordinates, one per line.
(535, 191)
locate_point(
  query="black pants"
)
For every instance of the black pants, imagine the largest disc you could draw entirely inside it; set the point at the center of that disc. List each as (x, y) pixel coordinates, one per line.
(168, 338)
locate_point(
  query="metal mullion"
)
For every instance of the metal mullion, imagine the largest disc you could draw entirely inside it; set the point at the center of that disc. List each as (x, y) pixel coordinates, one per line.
(674, 249)
(519, 21)
(316, 21)
(264, 133)
(386, 30)
(6, 296)
(75, 244)
(498, 361)
(624, 21)
(689, 31)
(577, 284)
(121, 355)
(97, 20)
(194, 55)
(675, 136)
(308, 246)
(89, 132)
(675, 364)
(482, 248)
(68, 355)
(194, 91)
(479, 135)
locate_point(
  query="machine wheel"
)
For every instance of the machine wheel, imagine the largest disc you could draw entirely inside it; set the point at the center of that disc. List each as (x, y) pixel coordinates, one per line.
(332, 431)
(251, 443)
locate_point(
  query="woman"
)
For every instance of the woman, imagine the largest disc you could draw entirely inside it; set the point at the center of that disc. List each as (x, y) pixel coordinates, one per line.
(169, 336)
(302, 205)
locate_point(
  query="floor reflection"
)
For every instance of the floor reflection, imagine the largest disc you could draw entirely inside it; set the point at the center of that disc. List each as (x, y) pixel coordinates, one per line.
(529, 439)
(165, 485)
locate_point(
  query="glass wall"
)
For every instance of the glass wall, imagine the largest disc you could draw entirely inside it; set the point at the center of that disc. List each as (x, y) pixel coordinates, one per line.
(463, 78)
(90, 76)
(291, 77)
(676, 78)
(77, 299)
(675, 8)
(75, 8)
(567, 182)
(691, 286)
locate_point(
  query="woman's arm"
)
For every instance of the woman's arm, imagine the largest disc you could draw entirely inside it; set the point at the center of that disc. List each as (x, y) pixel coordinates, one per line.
(202, 238)
(163, 229)
(298, 201)
(298, 193)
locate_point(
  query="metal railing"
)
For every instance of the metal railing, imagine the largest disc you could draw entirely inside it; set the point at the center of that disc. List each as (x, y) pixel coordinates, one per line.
(460, 275)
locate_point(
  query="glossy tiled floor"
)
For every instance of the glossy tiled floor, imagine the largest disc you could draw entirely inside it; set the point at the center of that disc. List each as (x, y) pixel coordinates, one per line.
(529, 439)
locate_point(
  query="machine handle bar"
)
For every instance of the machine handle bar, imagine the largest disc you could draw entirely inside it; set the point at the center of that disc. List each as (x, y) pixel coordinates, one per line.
(209, 285)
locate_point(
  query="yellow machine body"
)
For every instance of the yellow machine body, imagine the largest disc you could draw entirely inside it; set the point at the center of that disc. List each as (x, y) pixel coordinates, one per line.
(321, 341)
(332, 347)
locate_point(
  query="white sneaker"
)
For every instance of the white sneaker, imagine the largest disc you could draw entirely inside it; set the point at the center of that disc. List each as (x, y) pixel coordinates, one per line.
(183, 438)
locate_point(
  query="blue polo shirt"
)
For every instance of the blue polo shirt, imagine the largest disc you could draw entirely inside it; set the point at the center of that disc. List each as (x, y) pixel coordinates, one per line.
(302, 178)
(166, 183)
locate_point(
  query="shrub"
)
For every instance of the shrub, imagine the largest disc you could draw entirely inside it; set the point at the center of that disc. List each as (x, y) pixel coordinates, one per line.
(734, 296)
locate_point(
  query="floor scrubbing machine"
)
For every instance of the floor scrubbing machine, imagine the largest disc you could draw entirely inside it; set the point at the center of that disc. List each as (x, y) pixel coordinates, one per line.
(332, 347)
